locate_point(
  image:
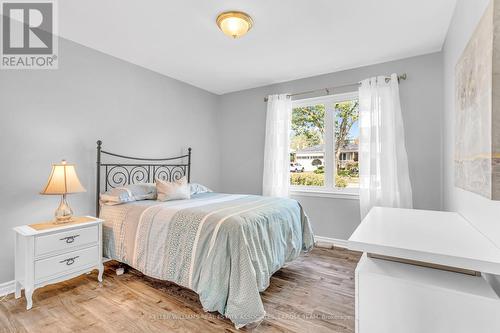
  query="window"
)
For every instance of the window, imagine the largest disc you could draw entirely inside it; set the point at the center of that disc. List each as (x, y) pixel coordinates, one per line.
(324, 144)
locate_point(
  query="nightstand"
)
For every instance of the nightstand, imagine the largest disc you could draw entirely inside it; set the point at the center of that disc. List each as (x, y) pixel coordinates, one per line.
(48, 253)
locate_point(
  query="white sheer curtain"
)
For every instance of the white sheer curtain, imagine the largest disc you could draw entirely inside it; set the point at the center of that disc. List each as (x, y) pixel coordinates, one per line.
(276, 180)
(383, 162)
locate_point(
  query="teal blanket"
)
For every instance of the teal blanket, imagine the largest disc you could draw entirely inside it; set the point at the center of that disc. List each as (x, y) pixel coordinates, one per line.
(224, 247)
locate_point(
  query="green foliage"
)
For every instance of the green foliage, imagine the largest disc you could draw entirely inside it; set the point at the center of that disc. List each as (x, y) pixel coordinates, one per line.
(347, 114)
(320, 170)
(316, 162)
(341, 181)
(308, 125)
(315, 179)
(352, 165)
(351, 169)
(307, 179)
(301, 141)
(343, 173)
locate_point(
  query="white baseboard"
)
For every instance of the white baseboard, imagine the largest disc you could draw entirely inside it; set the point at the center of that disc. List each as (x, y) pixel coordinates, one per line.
(329, 242)
(7, 288)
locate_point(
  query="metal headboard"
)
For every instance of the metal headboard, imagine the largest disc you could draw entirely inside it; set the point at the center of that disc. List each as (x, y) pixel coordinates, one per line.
(145, 170)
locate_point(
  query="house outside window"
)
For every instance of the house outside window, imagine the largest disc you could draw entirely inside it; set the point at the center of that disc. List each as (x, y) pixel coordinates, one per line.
(324, 143)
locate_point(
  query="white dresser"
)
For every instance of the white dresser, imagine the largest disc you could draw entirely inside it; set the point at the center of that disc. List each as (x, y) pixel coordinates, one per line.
(47, 253)
(424, 271)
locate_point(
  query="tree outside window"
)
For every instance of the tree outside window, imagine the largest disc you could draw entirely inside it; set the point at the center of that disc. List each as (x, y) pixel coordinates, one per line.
(308, 146)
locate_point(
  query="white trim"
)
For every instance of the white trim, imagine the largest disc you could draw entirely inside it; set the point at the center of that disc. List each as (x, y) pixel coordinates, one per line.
(339, 194)
(7, 288)
(329, 141)
(328, 242)
(329, 189)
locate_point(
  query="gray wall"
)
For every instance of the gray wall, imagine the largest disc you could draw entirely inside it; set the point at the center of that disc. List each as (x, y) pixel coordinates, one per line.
(242, 127)
(50, 115)
(483, 213)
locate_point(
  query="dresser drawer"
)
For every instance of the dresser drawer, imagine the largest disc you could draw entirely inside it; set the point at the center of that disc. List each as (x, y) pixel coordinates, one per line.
(66, 240)
(60, 264)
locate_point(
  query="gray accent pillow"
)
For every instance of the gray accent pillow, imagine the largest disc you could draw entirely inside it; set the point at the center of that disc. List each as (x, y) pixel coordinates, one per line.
(198, 188)
(129, 193)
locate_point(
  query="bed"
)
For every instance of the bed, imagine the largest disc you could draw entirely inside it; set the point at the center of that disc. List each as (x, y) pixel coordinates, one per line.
(225, 247)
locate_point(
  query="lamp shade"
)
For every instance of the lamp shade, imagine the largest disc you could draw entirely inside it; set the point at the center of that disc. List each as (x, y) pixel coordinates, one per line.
(63, 180)
(234, 24)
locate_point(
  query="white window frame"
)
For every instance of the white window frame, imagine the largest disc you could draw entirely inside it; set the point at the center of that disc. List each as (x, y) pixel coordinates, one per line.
(329, 189)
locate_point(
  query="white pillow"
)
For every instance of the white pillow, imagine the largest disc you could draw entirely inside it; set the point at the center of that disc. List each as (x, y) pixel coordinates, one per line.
(132, 192)
(198, 188)
(175, 190)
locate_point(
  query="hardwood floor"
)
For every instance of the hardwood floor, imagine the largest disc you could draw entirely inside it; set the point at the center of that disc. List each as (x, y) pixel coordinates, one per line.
(315, 293)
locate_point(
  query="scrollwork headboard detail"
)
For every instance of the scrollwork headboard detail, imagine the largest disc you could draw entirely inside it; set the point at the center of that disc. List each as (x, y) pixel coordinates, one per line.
(138, 170)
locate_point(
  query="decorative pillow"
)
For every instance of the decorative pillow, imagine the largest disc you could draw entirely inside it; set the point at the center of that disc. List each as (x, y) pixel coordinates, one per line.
(133, 192)
(176, 190)
(198, 188)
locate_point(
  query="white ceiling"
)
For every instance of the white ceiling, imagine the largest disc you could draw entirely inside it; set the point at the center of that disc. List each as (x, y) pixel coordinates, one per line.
(291, 39)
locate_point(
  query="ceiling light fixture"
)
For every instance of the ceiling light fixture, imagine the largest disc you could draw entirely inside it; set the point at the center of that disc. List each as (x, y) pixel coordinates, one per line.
(234, 24)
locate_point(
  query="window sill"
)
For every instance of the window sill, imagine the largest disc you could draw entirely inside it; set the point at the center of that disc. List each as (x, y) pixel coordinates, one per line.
(339, 194)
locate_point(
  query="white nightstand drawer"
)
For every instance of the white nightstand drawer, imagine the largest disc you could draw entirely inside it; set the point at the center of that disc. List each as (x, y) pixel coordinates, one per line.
(66, 262)
(49, 253)
(66, 240)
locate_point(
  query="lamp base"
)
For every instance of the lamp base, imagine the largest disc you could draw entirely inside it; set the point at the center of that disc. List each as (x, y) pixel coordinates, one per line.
(63, 213)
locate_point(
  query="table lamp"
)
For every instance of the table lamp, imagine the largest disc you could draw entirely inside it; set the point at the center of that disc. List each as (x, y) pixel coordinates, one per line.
(63, 180)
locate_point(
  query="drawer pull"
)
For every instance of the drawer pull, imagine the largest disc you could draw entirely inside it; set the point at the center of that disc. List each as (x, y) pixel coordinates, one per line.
(69, 261)
(69, 239)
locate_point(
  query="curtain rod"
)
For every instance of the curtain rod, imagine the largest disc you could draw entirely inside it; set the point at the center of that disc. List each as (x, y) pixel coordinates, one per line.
(328, 90)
